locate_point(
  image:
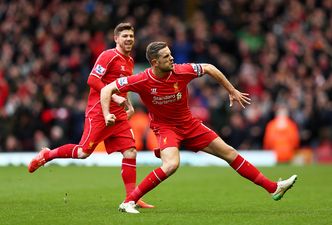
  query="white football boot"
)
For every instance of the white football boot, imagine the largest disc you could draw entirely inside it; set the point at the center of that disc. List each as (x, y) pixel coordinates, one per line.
(283, 186)
(128, 207)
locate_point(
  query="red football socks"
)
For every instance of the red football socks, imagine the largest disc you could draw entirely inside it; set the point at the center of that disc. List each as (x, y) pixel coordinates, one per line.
(149, 182)
(128, 173)
(64, 151)
(247, 170)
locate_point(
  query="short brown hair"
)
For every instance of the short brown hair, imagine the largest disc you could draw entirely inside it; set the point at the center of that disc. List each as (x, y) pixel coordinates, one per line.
(121, 27)
(152, 51)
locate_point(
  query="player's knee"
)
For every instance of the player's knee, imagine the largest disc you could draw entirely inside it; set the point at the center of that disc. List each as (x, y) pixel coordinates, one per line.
(228, 153)
(81, 154)
(130, 153)
(170, 167)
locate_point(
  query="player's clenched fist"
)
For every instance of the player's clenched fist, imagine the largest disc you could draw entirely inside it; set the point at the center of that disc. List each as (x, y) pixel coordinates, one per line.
(110, 119)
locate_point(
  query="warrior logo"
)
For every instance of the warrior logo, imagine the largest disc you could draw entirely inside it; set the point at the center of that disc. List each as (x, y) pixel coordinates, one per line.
(153, 90)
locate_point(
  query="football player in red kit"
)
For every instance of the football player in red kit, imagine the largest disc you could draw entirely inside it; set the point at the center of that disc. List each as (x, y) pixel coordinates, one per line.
(110, 65)
(163, 90)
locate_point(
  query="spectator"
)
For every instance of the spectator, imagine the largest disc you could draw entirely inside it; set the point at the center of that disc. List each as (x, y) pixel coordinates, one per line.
(279, 54)
(282, 136)
(4, 91)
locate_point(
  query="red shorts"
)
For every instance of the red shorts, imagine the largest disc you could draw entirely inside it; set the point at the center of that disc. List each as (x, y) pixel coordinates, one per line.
(117, 138)
(193, 136)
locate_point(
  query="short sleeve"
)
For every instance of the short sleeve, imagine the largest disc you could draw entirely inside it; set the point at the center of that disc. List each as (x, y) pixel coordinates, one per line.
(192, 70)
(133, 83)
(101, 64)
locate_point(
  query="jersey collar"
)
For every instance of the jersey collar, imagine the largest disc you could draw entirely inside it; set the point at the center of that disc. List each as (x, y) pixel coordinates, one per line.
(163, 79)
(124, 56)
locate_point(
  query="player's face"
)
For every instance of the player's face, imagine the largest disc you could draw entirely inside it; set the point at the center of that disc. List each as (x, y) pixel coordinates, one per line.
(125, 41)
(165, 61)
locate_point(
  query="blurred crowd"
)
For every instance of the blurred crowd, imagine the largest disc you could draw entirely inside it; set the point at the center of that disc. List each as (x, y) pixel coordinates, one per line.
(278, 51)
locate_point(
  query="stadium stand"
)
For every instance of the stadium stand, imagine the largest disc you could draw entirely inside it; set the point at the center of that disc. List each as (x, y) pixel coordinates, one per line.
(278, 51)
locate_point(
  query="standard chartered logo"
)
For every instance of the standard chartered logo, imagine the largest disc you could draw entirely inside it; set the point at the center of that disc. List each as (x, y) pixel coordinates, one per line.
(161, 100)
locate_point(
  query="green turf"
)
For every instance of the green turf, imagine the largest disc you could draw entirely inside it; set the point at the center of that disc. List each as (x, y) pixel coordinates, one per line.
(194, 195)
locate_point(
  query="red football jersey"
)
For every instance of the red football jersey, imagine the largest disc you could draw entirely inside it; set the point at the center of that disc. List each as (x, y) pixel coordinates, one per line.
(165, 98)
(109, 66)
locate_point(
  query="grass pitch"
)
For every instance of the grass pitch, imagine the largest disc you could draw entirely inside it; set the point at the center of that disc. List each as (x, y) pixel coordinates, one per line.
(193, 195)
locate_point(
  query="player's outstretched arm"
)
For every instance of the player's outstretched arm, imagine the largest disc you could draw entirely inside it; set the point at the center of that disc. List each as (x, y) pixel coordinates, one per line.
(234, 94)
(105, 99)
